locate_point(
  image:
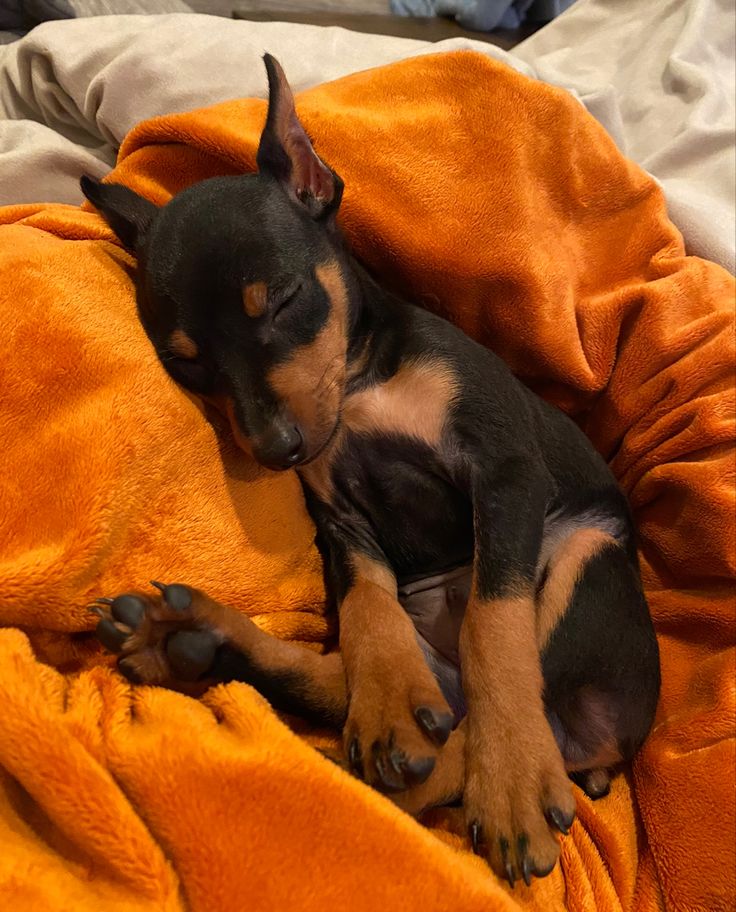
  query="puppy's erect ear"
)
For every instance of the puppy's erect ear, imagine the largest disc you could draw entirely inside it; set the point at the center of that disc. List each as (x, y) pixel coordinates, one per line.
(286, 153)
(128, 214)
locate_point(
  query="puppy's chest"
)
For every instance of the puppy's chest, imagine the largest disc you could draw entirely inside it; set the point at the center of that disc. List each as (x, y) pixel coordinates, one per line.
(388, 432)
(387, 470)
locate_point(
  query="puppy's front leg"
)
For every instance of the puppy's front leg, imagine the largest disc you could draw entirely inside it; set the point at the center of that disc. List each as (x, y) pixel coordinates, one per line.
(397, 716)
(516, 787)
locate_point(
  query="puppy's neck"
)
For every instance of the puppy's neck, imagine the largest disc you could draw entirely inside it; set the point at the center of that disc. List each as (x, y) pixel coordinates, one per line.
(376, 333)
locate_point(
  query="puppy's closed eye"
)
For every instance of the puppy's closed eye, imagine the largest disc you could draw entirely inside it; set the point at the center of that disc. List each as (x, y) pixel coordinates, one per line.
(192, 373)
(284, 300)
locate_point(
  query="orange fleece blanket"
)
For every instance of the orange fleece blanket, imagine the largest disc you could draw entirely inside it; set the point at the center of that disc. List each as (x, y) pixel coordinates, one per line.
(499, 203)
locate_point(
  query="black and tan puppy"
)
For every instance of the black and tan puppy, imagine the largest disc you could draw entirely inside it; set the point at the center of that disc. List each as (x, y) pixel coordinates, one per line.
(480, 554)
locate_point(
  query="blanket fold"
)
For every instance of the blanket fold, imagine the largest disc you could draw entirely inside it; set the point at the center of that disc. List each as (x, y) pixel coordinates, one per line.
(497, 202)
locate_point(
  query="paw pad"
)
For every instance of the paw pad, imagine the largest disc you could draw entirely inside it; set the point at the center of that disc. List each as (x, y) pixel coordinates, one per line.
(119, 617)
(191, 653)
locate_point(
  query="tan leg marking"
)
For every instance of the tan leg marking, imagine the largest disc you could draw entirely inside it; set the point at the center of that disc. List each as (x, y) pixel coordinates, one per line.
(321, 677)
(564, 570)
(388, 681)
(514, 769)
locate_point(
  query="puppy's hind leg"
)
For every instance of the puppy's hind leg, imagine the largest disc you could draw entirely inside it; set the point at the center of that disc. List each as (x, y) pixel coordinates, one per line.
(182, 639)
(599, 656)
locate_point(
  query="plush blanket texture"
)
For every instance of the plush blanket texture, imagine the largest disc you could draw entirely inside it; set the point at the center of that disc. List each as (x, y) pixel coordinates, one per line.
(500, 203)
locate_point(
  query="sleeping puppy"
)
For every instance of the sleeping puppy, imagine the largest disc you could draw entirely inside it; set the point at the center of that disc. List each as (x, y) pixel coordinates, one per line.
(494, 636)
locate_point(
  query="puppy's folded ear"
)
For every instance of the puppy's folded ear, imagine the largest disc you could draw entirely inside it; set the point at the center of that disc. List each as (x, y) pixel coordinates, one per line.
(128, 214)
(285, 151)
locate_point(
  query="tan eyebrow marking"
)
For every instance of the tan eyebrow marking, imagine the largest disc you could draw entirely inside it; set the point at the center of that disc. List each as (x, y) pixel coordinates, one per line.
(181, 345)
(255, 297)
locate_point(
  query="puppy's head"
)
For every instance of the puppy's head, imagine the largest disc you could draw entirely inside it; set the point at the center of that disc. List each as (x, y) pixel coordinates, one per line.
(242, 286)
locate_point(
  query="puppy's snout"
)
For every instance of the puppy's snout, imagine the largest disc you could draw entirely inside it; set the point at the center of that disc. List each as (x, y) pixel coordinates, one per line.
(281, 446)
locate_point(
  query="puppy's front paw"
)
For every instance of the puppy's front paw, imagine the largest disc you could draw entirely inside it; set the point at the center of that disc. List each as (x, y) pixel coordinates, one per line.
(160, 638)
(513, 806)
(393, 732)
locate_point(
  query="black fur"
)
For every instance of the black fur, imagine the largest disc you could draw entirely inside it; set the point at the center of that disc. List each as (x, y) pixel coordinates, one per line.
(510, 471)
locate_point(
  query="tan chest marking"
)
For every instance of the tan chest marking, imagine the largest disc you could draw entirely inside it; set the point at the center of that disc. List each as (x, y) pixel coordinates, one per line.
(413, 403)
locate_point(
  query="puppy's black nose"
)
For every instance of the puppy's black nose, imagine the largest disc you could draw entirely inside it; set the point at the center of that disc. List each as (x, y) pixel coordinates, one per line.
(281, 447)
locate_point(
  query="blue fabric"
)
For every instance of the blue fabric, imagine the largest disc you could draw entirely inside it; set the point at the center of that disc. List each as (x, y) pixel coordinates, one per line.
(484, 15)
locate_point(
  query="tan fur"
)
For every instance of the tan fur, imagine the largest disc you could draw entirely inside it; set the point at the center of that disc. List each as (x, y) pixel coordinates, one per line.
(446, 782)
(318, 474)
(255, 298)
(311, 383)
(359, 364)
(413, 402)
(388, 678)
(181, 345)
(565, 569)
(321, 677)
(514, 768)
(371, 571)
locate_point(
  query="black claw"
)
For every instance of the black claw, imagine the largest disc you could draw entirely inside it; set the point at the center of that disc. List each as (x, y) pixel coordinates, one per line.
(95, 607)
(562, 821)
(392, 777)
(521, 853)
(437, 726)
(510, 874)
(526, 871)
(503, 845)
(129, 610)
(109, 635)
(129, 673)
(177, 597)
(476, 837)
(397, 759)
(355, 758)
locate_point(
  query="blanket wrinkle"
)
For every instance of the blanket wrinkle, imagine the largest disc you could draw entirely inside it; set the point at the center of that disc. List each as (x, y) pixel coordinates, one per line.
(498, 202)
